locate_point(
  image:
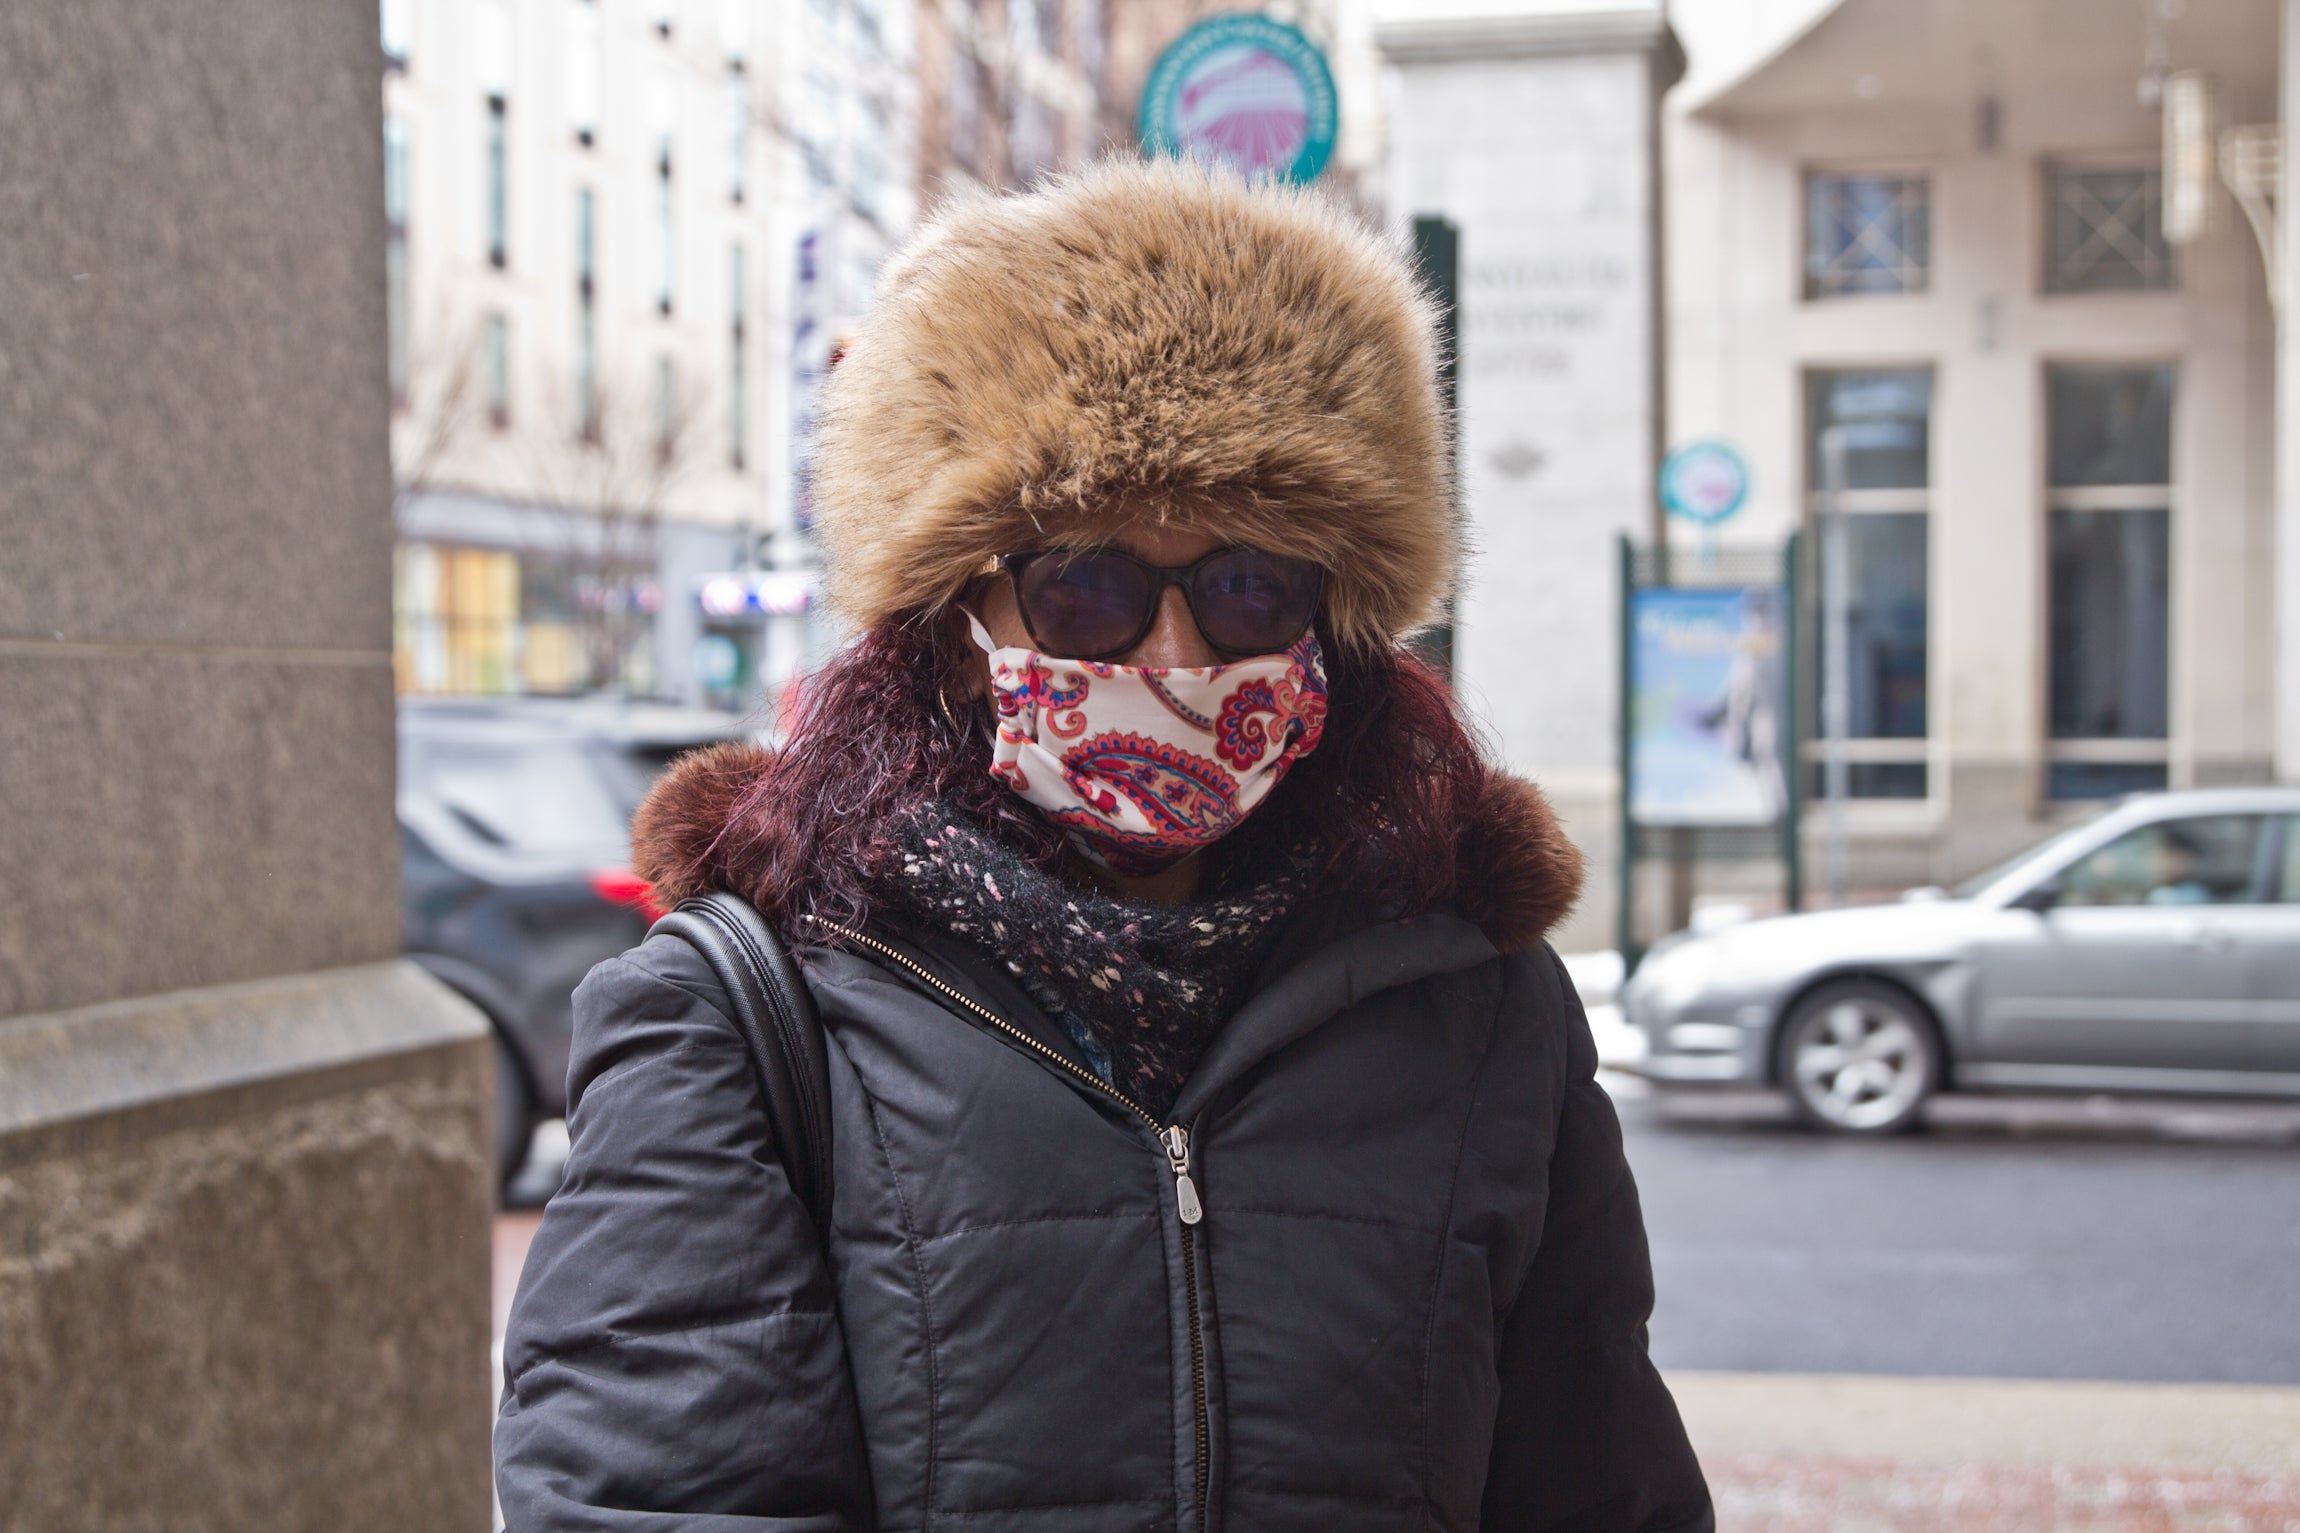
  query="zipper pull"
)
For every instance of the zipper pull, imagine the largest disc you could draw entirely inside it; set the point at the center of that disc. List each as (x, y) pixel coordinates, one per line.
(1177, 1141)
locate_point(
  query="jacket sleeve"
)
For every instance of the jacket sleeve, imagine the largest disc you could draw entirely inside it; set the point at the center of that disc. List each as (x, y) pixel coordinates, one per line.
(674, 1356)
(1587, 1439)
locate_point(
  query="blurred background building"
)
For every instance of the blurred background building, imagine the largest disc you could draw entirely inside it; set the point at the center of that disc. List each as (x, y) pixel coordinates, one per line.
(626, 236)
(622, 234)
(1951, 233)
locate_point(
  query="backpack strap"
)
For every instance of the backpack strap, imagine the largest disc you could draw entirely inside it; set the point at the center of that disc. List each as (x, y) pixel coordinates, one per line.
(775, 1013)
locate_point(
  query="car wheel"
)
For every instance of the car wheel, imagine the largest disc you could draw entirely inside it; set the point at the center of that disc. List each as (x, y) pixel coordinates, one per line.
(1860, 1057)
(514, 1113)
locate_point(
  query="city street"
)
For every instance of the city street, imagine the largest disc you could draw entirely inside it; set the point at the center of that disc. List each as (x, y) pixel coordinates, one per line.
(2021, 1238)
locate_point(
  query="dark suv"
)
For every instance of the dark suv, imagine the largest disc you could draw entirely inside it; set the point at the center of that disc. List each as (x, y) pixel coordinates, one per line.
(514, 819)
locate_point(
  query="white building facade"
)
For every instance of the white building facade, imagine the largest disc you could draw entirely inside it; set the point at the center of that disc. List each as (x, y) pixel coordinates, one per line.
(1934, 233)
(1939, 234)
(624, 236)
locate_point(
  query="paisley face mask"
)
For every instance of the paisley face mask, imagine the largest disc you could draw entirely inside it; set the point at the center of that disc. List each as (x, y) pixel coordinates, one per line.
(1146, 764)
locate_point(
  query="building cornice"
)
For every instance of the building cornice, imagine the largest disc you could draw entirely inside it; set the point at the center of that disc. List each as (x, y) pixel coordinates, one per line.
(1455, 39)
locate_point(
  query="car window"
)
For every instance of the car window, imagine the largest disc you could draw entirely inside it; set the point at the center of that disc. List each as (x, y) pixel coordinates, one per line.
(632, 769)
(528, 797)
(2206, 860)
(2288, 871)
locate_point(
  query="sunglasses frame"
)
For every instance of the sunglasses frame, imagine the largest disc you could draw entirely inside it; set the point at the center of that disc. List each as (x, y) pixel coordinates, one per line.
(1162, 576)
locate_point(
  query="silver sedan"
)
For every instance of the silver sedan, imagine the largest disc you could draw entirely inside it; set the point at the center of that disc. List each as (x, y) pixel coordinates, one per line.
(2154, 949)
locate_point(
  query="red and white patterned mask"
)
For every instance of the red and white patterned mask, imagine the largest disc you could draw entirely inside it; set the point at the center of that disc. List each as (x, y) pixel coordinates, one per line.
(1145, 764)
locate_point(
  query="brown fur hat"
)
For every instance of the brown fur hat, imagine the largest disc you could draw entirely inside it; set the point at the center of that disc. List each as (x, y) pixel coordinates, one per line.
(1143, 341)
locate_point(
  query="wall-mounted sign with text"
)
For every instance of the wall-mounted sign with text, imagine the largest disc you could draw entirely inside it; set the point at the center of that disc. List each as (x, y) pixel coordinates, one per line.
(1247, 91)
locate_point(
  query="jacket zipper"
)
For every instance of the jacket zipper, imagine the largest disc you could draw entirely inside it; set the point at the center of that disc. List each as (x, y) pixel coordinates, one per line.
(1173, 1140)
(1190, 1211)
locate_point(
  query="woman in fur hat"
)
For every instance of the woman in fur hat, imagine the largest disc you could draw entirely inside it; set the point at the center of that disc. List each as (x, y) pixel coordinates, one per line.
(1214, 1140)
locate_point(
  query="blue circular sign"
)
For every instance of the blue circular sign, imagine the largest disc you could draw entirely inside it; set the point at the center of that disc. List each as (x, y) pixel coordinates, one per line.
(1247, 91)
(1704, 482)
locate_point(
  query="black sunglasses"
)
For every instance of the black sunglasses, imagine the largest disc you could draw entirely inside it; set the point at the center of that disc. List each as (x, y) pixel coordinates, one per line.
(1098, 603)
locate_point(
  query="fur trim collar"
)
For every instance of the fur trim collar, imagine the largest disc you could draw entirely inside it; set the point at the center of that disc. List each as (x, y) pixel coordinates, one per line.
(1517, 875)
(1146, 342)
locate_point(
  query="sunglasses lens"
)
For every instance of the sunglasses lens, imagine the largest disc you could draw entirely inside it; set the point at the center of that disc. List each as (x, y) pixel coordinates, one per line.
(1083, 606)
(1255, 603)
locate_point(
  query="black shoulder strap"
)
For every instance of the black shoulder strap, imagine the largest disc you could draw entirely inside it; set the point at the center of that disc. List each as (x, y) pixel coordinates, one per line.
(776, 1015)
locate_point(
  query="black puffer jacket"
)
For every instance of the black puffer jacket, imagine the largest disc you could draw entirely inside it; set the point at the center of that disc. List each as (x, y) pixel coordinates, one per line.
(1416, 1298)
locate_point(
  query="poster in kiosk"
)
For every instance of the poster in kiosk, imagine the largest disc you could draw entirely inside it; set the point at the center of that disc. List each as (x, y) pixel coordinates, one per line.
(1706, 705)
(1707, 726)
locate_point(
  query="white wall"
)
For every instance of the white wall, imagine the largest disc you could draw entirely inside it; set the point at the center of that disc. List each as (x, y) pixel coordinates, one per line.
(1740, 336)
(1543, 161)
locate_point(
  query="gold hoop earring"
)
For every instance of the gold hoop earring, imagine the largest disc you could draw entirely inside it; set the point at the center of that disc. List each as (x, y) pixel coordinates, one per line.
(950, 718)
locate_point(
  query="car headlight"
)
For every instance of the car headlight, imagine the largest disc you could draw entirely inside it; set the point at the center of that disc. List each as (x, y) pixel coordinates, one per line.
(1676, 976)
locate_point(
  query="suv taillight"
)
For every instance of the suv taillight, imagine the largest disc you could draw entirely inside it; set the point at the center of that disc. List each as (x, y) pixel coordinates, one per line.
(621, 886)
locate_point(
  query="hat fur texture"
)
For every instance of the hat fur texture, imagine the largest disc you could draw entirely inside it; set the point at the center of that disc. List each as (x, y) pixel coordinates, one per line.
(1142, 343)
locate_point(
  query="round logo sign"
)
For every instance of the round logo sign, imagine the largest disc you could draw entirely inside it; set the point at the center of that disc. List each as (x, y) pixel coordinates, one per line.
(1705, 482)
(1245, 90)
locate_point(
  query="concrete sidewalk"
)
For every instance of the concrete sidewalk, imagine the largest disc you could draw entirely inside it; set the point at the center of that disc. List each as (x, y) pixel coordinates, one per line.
(1801, 1453)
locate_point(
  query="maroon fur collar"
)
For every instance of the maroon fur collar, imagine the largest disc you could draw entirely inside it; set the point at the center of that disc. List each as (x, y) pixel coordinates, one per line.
(1516, 872)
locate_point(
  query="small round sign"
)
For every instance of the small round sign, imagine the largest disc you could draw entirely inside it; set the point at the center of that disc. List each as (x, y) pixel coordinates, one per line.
(1704, 482)
(1252, 93)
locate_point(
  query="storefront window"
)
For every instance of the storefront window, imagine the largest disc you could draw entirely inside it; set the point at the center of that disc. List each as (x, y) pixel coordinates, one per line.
(493, 622)
(1869, 461)
(2109, 536)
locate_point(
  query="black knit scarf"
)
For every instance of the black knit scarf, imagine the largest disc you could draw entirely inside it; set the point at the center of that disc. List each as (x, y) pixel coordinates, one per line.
(1141, 989)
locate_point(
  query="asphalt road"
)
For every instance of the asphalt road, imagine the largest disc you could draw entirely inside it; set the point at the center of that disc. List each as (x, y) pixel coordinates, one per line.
(2036, 1240)
(2017, 1238)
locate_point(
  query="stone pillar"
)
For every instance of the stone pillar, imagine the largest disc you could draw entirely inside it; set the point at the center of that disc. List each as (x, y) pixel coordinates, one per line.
(2287, 535)
(244, 1192)
(1536, 134)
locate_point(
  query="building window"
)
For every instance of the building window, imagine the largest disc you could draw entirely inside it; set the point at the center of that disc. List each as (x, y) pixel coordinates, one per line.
(1092, 40)
(395, 255)
(583, 71)
(1033, 139)
(2109, 539)
(586, 244)
(866, 172)
(1870, 463)
(666, 251)
(666, 408)
(2104, 231)
(1034, 26)
(586, 313)
(495, 368)
(738, 131)
(586, 374)
(391, 24)
(738, 399)
(1867, 234)
(818, 127)
(964, 105)
(498, 191)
